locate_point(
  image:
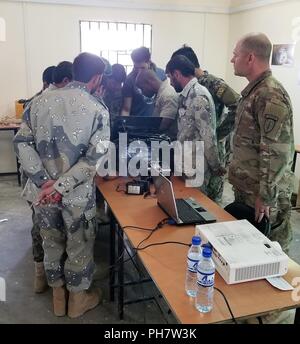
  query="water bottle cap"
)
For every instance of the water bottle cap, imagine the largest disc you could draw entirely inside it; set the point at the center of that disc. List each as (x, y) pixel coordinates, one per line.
(206, 252)
(196, 240)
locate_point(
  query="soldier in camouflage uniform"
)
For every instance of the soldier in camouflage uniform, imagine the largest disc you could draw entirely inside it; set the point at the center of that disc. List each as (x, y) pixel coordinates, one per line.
(196, 115)
(61, 75)
(165, 101)
(263, 142)
(223, 96)
(62, 136)
(113, 97)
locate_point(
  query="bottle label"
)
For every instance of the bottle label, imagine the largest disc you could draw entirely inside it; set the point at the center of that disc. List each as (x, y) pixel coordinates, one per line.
(205, 279)
(192, 264)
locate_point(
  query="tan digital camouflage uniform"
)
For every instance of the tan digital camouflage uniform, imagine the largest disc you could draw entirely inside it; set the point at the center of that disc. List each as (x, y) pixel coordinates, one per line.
(62, 136)
(166, 106)
(223, 97)
(263, 148)
(197, 122)
(37, 241)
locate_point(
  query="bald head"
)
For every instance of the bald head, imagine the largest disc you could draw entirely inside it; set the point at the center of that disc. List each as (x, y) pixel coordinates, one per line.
(148, 82)
(258, 44)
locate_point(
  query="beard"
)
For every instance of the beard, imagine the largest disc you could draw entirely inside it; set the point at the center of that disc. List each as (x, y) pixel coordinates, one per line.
(93, 90)
(178, 88)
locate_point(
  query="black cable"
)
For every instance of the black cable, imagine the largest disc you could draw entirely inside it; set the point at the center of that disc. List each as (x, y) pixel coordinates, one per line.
(163, 243)
(120, 190)
(159, 225)
(230, 311)
(137, 248)
(124, 247)
(140, 228)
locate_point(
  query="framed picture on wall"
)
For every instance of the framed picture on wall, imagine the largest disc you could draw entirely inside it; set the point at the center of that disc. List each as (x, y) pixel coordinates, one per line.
(283, 54)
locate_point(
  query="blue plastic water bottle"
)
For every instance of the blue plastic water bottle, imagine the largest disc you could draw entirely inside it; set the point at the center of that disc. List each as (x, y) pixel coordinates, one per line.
(193, 258)
(205, 282)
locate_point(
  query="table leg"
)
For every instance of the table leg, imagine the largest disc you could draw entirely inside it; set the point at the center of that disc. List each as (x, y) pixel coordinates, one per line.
(297, 316)
(18, 164)
(294, 162)
(120, 273)
(112, 260)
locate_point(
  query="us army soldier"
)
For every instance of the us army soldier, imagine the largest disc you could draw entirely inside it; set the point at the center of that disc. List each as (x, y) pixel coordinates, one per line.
(263, 142)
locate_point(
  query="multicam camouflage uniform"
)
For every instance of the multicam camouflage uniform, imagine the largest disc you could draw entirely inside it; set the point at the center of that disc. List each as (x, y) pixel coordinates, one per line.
(62, 136)
(223, 96)
(196, 122)
(263, 148)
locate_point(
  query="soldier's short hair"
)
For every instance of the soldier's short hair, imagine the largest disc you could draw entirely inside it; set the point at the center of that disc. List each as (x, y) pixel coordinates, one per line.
(48, 75)
(145, 76)
(118, 72)
(181, 63)
(189, 53)
(259, 44)
(140, 55)
(86, 66)
(63, 70)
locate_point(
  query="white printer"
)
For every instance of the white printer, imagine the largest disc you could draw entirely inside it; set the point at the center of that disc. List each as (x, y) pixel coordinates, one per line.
(241, 252)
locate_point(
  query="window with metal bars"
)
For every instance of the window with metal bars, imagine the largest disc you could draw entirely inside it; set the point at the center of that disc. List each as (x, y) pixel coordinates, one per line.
(114, 40)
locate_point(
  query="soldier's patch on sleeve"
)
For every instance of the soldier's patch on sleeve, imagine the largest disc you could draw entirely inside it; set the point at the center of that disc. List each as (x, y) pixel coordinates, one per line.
(221, 88)
(270, 122)
(273, 118)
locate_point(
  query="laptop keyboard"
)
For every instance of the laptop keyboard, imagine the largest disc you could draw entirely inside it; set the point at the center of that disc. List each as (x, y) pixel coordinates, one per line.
(187, 214)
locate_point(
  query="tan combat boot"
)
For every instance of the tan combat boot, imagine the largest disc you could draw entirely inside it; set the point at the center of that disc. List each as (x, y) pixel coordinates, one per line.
(59, 301)
(40, 280)
(82, 301)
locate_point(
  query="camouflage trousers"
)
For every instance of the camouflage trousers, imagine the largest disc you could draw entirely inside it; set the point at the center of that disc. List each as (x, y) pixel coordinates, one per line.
(68, 242)
(279, 215)
(37, 241)
(215, 188)
(215, 184)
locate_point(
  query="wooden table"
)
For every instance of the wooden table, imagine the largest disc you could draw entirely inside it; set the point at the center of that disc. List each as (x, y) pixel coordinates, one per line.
(166, 264)
(297, 151)
(14, 128)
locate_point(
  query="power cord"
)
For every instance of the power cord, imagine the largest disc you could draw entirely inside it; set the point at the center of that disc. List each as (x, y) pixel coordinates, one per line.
(138, 248)
(118, 187)
(163, 243)
(227, 303)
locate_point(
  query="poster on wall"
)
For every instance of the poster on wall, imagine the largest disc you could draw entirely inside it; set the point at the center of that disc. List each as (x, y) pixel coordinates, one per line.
(283, 54)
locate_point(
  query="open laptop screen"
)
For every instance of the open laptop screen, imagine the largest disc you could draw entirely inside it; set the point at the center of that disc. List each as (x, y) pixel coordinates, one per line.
(134, 125)
(165, 195)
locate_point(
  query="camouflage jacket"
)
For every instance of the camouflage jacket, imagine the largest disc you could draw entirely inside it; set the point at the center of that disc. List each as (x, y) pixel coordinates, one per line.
(223, 96)
(197, 122)
(263, 142)
(166, 101)
(63, 134)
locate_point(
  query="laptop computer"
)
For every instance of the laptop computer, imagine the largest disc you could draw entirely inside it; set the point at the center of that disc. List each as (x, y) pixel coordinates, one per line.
(182, 211)
(135, 126)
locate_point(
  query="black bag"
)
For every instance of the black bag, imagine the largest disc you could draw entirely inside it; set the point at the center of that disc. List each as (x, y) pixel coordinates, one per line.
(242, 211)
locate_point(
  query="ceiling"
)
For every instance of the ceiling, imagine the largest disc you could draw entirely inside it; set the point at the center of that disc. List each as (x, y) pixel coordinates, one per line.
(208, 6)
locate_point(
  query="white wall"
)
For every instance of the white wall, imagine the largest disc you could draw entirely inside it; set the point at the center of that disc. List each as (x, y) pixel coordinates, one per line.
(276, 22)
(39, 35)
(12, 75)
